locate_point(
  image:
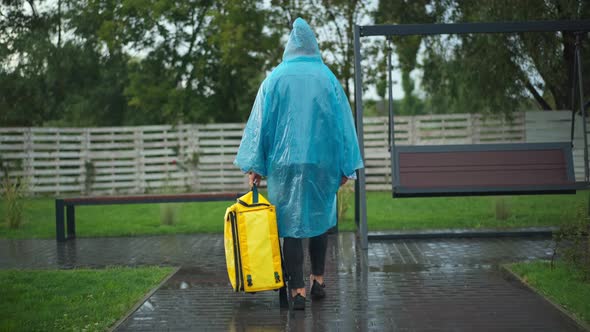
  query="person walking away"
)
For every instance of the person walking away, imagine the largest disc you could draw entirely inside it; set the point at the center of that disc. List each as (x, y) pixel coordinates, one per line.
(300, 135)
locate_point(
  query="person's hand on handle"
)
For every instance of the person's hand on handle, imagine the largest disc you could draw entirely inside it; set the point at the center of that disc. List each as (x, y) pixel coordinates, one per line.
(254, 179)
(343, 180)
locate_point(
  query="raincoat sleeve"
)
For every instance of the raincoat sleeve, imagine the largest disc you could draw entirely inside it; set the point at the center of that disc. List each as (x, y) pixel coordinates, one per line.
(252, 152)
(351, 156)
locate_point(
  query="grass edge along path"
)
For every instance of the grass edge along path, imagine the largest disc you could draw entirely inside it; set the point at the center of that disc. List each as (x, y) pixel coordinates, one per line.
(73, 300)
(562, 286)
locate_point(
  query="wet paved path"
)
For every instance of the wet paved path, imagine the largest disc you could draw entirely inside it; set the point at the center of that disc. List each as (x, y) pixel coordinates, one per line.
(403, 285)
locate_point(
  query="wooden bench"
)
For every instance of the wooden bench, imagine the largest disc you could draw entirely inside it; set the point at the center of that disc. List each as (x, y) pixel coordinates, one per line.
(69, 205)
(485, 169)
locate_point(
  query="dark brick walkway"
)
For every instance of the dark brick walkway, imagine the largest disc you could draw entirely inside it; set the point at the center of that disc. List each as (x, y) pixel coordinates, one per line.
(427, 285)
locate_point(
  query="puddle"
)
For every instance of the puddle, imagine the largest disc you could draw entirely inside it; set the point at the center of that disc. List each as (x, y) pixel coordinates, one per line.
(193, 277)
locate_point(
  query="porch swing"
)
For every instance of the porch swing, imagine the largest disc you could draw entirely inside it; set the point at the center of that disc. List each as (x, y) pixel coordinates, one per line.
(482, 169)
(486, 169)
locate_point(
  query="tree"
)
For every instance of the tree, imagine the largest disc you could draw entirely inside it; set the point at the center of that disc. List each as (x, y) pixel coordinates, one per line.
(492, 72)
(240, 53)
(24, 38)
(110, 62)
(205, 59)
(50, 79)
(340, 17)
(165, 84)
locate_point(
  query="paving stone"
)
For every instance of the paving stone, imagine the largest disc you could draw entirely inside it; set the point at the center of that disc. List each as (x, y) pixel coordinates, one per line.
(398, 285)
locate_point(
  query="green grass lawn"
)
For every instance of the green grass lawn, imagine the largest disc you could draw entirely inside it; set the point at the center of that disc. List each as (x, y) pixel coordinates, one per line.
(118, 220)
(384, 213)
(72, 300)
(563, 285)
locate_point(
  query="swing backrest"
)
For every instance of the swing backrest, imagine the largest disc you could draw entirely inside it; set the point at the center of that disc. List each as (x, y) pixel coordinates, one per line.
(484, 169)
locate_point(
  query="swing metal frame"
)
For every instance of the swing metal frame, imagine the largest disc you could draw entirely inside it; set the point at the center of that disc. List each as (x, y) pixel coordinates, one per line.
(464, 170)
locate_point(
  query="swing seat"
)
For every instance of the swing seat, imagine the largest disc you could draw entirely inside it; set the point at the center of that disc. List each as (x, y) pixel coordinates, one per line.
(484, 169)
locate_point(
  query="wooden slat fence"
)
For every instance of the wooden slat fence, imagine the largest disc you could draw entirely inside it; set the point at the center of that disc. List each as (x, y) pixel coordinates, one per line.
(199, 157)
(556, 127)
(125, 159)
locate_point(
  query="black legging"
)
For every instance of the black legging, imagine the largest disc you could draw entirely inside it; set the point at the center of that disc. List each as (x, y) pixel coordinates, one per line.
(293, 255)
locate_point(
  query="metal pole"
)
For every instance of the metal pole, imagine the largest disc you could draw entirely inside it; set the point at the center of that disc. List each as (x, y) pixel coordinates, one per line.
(391, 118)
(390, 93)
(356, 204)
(582, 111)
(573, 99)
(361, 199)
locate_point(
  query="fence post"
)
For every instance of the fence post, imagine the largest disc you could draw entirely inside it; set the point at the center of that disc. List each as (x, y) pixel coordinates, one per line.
(475, 124)
(57, 161)
(522, 126)
(28, 166)
(412, 130)
(221, 161)
(193, 143)
(85, 158)
(139, 161)
(182, 153)
(113, 173)
(166, 186)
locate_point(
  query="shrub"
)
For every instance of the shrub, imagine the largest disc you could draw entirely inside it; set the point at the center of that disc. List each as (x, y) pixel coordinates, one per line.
(572, 242)
(90, 176)
(168, 214)
(13, 192)
(345, 198)
(12, 196)
(502, 209)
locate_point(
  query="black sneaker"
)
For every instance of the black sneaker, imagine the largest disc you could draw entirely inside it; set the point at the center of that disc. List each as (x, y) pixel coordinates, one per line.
(299, 302)
(317, 290)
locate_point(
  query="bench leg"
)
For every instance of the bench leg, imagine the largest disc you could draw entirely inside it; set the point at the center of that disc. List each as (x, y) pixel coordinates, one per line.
(60, 230)
(71, 219)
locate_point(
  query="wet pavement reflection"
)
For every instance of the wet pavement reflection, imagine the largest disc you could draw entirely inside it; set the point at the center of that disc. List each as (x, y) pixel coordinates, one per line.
(395, 285)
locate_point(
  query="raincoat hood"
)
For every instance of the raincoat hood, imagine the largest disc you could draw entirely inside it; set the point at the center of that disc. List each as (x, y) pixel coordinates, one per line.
(302, 42)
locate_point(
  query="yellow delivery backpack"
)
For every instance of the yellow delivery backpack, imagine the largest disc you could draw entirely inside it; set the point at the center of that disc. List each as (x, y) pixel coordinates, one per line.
(252, 250)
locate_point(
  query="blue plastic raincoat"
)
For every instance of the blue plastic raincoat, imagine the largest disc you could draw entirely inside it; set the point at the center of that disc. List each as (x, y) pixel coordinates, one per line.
(301, 136)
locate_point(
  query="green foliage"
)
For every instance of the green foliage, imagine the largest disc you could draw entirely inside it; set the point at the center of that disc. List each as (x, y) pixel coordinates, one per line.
(13, 192)
(407, 106)
(137, 62)
(12, 198)
(345, 199)
(54, 71)
(240, 49)
(572, 242)
(502, 209)
(168, 214)
(188, 162)
(90, 172)
(488, 73)
(72, 300)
